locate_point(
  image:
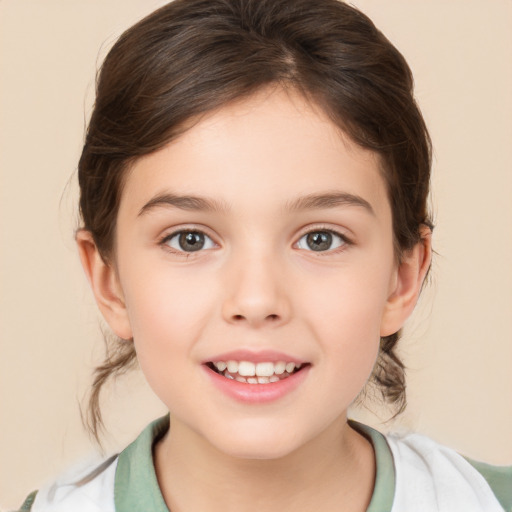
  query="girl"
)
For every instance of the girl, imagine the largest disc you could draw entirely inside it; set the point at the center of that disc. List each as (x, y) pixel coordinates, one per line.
(254, 188)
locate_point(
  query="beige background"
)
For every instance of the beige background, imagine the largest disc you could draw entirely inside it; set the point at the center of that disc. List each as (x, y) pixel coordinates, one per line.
(458, 346)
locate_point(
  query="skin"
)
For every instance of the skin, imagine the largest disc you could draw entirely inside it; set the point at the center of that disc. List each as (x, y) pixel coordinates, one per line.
(258, 285)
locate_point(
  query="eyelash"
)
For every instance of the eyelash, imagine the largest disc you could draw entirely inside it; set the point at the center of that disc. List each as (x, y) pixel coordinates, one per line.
(346, 242)
(164, 242)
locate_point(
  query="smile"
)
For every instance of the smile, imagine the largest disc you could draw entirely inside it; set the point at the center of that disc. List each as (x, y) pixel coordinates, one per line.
(255, 373)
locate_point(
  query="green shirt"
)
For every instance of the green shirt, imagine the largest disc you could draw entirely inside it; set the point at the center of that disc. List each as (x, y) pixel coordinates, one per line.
(136, 486)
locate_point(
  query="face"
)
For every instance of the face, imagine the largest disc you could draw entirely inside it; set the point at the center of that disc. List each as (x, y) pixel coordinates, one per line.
(258, 245)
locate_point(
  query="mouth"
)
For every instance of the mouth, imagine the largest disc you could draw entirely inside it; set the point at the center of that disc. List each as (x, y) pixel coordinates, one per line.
(247, 372)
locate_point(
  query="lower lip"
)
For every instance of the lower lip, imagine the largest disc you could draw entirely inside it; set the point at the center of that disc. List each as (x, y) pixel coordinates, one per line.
(257, 393)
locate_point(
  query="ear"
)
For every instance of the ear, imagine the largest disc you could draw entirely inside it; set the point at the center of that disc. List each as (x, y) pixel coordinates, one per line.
(407, 284)
(105, 285)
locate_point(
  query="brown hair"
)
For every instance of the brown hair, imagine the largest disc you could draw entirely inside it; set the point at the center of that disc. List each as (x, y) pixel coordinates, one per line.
(192, 56)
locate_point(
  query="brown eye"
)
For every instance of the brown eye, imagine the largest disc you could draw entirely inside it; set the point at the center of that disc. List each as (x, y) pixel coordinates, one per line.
(320, 241)
(189, 241)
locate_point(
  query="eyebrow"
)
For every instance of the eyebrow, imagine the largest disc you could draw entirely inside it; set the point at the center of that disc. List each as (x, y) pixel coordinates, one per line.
(308, 202)
(189, 203)
(328, 200)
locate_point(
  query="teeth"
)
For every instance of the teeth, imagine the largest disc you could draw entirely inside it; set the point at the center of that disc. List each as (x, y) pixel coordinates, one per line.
(246, 369)
(290, 367)
(232, 366)
(256, 373)
(279, 367)
(264, 369)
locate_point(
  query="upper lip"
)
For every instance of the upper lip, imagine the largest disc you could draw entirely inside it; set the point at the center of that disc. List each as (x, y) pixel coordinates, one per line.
(255, 356)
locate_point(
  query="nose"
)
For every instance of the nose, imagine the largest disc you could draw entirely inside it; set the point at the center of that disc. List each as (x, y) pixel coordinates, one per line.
(256, 294)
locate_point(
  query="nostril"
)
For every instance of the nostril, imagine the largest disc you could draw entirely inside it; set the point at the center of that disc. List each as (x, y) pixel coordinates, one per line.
(255, 319)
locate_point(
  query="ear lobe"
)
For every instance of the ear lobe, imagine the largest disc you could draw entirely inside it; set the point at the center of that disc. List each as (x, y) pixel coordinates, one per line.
(410, 276)
(105, 285)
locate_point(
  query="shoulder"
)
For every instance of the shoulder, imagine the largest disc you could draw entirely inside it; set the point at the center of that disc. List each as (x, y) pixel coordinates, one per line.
(27, 504)
(87, 488)
(127, 480)
(499, 479)
(445, 478)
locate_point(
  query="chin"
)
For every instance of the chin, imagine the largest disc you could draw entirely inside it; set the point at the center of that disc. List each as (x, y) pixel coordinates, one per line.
(256, 443)
(257, 450)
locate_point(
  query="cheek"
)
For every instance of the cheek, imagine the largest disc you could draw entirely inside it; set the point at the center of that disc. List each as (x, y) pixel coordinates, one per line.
(165, 300)
(348, 303)
(167, 312)
(344, 313)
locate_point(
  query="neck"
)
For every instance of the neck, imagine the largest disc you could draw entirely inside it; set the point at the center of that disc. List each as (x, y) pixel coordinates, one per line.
(335, 471)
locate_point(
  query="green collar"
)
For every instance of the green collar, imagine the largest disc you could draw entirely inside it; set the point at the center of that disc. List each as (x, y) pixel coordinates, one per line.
(384, 489)
(136, 485)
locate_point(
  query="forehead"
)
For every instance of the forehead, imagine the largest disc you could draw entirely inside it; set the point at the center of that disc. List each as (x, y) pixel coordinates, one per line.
(263, 151)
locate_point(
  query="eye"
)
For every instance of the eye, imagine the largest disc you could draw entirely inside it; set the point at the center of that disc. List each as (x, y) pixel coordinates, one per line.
(321, 241)
(188, 241)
